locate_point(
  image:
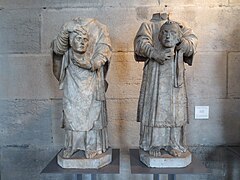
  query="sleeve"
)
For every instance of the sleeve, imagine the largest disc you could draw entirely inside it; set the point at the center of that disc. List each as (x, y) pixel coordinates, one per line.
(101, 55)
(143, 43)
(103, 50)
(59, 47)
(60, 44)
(191, 41)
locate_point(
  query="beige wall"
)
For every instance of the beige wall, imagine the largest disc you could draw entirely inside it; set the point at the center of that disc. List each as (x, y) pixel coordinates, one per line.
(30, 102)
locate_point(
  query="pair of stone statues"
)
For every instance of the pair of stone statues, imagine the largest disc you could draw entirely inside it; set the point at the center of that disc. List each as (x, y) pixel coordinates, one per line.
(81, 56)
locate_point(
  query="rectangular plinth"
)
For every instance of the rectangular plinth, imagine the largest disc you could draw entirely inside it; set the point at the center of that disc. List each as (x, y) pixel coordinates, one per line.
(112, 168)
(235, 150)
(165, 161)
(137, 167)
(78, 160)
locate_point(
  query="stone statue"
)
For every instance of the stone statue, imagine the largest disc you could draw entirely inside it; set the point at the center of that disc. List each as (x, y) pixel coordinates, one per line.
(164, 46)
(81, 56)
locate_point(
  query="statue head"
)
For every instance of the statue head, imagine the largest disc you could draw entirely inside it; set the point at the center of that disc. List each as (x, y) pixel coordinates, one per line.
(79, 40)
(170, 34)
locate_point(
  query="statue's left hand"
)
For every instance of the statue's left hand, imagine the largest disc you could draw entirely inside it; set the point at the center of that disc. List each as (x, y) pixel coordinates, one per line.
(97, 65)
(183, 46)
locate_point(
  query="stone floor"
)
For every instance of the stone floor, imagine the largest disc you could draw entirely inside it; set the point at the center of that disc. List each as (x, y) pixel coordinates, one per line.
(222, 162)
(26, 164)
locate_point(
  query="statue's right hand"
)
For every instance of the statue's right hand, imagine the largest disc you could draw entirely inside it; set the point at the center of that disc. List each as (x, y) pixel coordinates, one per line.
(71, 26)
(68, 26)
(161, 56)
(158, 56)
(168, 54)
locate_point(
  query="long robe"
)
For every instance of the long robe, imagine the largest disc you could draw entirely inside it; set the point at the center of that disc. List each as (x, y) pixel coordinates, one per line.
(162, 104)
(84, 104)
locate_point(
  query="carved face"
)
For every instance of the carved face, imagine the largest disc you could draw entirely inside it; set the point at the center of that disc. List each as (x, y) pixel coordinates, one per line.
(169, 35)
(80, 43)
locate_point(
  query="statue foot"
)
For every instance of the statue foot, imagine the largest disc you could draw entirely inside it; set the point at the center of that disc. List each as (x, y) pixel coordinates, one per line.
(99, 152)
(179, 147)
(90, 154)
(175, 152)
(183, 149)
(155, 151)
(67, 153)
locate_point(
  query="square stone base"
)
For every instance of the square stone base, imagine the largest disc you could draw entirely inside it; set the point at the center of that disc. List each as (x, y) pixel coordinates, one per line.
(166, 160)
(79, 161)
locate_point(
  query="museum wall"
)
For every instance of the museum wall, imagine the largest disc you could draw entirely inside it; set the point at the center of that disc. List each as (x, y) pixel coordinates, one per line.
(30, 102)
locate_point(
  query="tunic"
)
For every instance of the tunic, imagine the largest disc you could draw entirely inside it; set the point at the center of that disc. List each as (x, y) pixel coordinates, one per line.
(84, 103)
(162, 102)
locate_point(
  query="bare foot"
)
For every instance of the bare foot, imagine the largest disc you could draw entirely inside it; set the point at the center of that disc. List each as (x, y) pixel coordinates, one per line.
(90, 154)
(155, 151)
(99, 152)
(67, 153)
(182, 148)
(175, 152)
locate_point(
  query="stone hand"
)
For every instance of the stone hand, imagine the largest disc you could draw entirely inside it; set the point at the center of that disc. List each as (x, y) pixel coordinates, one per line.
(162, 56)
(183, 46)
(71, 26)
(82, 64)
(97, 65)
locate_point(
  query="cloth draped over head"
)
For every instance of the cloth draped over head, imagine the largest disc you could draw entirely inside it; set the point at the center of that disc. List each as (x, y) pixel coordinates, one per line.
(144, 38)
(99, 49)
(151, 101)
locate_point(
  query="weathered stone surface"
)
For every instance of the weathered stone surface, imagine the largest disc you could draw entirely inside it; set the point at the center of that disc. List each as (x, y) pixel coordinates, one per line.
(126, 21)
(124, 68)
(27, 77)
(78, 160)
(17, 4)
(131, 130)
(122, 109)
(124, 90)
(233, 75)
(162, 3)
(206, 78)
(210, 31)
(124, 76)
(194, 2)
(165, 161)
(234, 2)
(211, 34)
(23, 4)
(16, 166)
(25, 162)
(122, 27)
(132, 3)
(222, 126)
(71, 3)
(121, 117)
(25, 123)
(57, 122)
(217, 29)
(20, 31)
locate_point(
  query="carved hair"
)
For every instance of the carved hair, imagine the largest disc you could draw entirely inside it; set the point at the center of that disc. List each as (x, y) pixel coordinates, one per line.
(173, 24)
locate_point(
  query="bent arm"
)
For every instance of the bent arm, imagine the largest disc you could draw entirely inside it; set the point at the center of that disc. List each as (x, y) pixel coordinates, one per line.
(143, 43)
(189, 43)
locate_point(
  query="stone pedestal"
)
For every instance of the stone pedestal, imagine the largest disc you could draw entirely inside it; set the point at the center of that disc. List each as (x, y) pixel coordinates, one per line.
(166, 160)
(78, 160)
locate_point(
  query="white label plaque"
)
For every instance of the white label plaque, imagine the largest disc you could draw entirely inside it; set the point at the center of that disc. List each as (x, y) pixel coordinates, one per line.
(201, 112)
